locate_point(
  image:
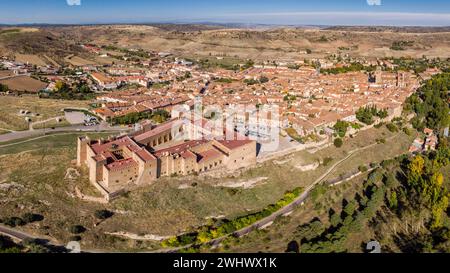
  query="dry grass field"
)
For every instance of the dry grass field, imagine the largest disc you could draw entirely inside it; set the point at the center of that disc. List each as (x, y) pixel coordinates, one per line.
(77, 61)
(6, 73)
(24, 84)
(29, 58)
(46, 108)
(282, 44)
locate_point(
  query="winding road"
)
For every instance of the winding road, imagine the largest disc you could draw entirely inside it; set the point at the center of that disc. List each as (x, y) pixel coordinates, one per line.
(291, 207)
(17, 135)
(15, 234)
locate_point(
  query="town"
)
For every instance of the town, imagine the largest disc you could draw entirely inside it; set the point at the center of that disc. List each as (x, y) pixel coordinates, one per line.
(168, 138)
(146, 90)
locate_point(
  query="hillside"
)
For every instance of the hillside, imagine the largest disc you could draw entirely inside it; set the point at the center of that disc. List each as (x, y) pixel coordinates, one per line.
(281, 44)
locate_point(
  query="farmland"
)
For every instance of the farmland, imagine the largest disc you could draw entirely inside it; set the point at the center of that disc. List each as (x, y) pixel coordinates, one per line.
(24, 84)
(10, 107)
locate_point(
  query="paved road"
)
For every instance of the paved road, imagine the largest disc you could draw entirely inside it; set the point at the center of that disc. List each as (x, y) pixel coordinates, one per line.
(15, 76)
(17, 135)
(15, 234)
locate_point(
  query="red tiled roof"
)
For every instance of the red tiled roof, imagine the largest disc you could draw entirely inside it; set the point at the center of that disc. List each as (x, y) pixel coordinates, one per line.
(180, 148)
(158, 130)
(209, 155)
(121, 164)
(234, 144)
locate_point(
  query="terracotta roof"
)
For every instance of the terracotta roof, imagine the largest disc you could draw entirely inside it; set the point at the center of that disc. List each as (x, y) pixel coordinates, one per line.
(179, 149)
(209, 155)
(158, 130)
(234, 144)
(121, 164)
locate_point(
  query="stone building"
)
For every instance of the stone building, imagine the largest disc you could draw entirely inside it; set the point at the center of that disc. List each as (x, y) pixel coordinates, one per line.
(140, 159)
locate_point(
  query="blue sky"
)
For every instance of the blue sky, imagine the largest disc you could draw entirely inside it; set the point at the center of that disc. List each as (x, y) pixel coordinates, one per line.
(297, 12)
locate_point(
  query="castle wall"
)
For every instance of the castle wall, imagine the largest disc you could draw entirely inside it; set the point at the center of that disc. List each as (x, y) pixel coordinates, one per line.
(117, 180)
(241, 157)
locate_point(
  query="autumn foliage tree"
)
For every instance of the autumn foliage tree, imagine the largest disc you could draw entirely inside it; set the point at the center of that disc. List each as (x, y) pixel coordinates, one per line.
(424, 178)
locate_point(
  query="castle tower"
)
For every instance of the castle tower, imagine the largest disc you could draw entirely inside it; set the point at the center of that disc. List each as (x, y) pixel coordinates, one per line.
(82, 144)
(379, 76)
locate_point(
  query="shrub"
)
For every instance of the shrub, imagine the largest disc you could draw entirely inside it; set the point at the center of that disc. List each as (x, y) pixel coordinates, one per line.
(338, 142)
(392, 128)
(14, 222)
(407, 131)
(77, 229)
(31, 218)
(103, 214)
(327, 160)
(362, 168)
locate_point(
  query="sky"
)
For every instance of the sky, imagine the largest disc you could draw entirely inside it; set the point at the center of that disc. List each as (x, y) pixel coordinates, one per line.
(280, 12)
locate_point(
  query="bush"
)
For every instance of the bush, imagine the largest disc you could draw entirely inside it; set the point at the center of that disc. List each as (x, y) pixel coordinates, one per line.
(31, 218)
(338, 142)
(327, 160)
(362, 168)
(407, 131)
(77, 229)
(14, 222)
(392, 128)
(103, 214)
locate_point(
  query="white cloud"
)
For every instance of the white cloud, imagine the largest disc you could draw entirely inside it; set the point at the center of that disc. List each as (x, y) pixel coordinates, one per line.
(74, 2)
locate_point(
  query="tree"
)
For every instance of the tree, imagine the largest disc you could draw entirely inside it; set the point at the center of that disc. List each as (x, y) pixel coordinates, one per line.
(365, 116)
(60, 86)
(293, 247)
(350, 208)
(393, 201)
(341, 128)
(338, 142)
(263, 79)
(335, 220)
(430, 103)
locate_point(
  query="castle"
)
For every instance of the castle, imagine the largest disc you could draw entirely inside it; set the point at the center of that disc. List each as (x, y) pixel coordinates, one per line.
(153, 152)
